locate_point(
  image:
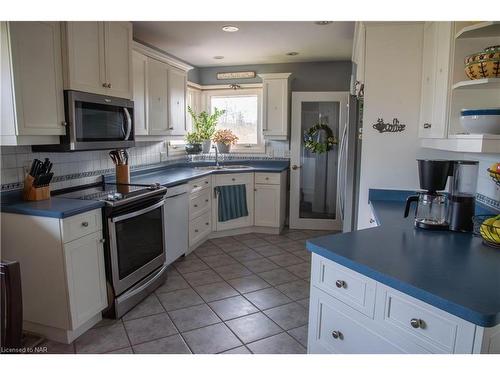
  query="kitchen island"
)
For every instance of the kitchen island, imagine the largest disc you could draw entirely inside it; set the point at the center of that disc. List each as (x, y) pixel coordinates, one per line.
(394, 274)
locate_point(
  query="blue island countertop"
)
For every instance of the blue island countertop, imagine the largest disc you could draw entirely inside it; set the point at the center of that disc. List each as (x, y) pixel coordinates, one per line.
(452, 271)
(168, 176)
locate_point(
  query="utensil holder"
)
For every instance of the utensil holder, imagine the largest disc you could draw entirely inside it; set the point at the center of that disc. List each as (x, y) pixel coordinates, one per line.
(32, 193)
(123, 177)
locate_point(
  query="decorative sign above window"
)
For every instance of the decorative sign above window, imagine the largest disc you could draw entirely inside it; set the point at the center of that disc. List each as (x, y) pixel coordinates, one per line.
(236, 75)
(385, 127)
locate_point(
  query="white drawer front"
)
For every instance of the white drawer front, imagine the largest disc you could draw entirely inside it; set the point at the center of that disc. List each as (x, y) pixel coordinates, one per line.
(350, 287)
(267, 178)
(425, 325)
(199, 203)
(233, 179)
(199, 184)
(81, 225)
(199, 228)
(336, 328)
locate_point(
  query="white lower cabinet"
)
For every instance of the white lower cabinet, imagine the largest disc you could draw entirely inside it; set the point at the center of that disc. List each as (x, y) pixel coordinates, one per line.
(270, 199)
(352, 313)
(200, 211)
(62, 271)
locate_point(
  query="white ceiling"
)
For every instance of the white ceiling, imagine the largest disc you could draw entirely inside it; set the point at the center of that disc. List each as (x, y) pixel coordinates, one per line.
(255, 43)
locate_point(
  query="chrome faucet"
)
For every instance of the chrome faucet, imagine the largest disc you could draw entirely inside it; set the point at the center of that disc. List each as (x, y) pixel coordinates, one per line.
(216, 156)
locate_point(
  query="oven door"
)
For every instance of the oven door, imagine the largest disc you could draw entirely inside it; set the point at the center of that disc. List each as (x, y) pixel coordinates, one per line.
(137, 245)
(99, 122)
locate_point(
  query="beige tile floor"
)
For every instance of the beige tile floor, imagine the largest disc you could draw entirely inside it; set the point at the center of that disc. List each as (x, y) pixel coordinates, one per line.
(242, 294)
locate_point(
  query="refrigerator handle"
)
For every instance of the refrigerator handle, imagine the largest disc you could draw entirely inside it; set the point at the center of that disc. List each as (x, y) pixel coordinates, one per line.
(341, 172)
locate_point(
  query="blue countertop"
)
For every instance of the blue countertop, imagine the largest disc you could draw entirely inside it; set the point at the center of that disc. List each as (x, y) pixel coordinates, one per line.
(170, 175)
(55, 207)
(454, 272)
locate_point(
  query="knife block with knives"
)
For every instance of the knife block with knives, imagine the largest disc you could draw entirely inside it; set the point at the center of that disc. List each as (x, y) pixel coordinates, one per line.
(122, 169)
(37, 182)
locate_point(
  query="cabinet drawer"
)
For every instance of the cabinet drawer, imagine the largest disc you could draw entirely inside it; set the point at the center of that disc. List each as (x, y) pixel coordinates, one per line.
(427, 326)
(348, 286)
(267, 178)
(233, 179)
(199, 203)
(199, 184)
(80, 225)
(199, 228)
(336, 328)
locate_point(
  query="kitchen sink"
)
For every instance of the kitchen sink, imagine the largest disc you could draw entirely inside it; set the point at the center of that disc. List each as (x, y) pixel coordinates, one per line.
(222, 167)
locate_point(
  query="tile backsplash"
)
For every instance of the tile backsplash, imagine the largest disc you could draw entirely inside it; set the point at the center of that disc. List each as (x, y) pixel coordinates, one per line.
(86, 167)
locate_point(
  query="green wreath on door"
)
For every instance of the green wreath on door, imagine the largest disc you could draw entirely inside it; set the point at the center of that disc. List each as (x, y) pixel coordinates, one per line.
(319, 147)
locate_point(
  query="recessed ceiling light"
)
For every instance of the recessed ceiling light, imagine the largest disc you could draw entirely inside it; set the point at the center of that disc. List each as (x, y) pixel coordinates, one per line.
(230, 29)
(218, 57)
(292, 53)
(323, 23)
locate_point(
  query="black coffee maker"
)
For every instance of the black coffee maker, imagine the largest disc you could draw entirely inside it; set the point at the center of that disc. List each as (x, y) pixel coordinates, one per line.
(437, 210)
(432, 203)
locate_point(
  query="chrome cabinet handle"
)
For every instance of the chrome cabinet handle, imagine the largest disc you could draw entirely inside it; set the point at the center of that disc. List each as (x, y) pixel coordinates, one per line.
(233, 179)
(105, 85)
(206, 182)
(417, 323)
(102, 240)
(295, 167)
(195, 205)
(196, 230)
(207, 223)
(341, 284)
(371, 221)
(337, 335)
(109, 85)
(427, 125)
(206, 200)
(64, 123)
(85, 224)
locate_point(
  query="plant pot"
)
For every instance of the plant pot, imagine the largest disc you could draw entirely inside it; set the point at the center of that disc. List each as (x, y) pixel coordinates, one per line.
(193, 148)
(223, 148)
(205, 146)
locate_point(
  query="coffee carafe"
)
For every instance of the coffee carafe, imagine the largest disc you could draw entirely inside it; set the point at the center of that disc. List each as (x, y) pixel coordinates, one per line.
(432, 205)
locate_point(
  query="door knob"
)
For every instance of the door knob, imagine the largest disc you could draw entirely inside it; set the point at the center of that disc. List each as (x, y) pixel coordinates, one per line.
(295, 167)
(341, 284)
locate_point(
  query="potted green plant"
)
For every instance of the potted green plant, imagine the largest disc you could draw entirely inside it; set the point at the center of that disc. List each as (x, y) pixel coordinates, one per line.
(204, 125)
(193, 143)
(224, 138)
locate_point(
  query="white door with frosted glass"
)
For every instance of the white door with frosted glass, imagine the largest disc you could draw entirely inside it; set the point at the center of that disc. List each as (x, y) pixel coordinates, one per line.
(314, 177)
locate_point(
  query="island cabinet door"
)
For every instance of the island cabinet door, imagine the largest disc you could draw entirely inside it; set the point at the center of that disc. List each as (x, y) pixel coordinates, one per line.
(84, 261)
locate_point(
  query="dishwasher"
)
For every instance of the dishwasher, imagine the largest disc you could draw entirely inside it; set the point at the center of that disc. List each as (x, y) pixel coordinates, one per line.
(176, 222)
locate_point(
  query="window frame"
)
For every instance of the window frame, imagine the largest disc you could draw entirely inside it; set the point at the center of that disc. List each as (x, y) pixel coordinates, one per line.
(240, 148)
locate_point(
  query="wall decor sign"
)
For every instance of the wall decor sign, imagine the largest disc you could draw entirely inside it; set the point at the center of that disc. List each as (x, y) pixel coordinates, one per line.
(235, 75)
(385, 127)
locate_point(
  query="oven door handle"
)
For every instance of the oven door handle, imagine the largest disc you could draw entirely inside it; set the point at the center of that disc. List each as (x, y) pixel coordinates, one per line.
(137, 213)
(128, 120)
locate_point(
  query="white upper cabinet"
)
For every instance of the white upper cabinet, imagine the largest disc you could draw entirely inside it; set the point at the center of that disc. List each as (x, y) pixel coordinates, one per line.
(435, 80)
(157, 98)
(160, 85)
(358, 57)
(276, 97)
(98, 57)
(32, 89)
(140, 69)
(177, 80)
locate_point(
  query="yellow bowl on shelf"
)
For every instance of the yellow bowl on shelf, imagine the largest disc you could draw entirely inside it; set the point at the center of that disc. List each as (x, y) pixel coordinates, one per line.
(485, 64)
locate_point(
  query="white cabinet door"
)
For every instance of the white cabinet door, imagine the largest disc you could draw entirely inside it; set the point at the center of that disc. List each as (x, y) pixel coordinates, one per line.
(84, 261)
(275, 105)
(140, 69)
(177, 101)
(267, 205)
(118, 58)
(157, 97)
(38, 86)
(246, 179)
(435, 80)
(193, 98)
(85, 68)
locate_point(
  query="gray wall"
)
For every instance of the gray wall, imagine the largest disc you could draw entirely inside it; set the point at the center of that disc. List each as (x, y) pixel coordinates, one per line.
(312, 76)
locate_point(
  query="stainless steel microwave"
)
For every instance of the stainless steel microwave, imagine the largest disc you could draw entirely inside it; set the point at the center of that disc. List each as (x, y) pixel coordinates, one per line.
(95, 122)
